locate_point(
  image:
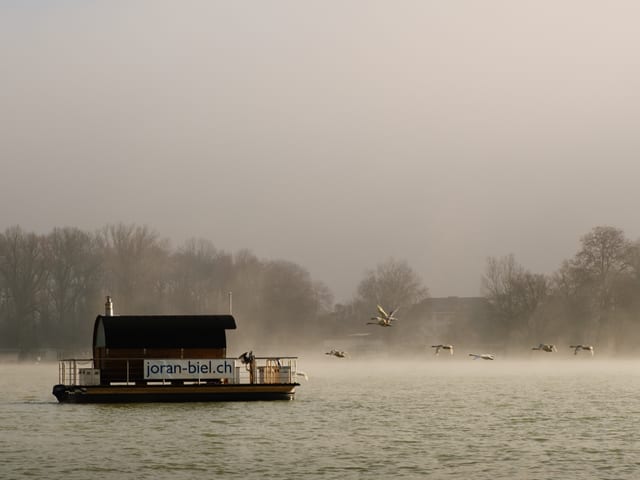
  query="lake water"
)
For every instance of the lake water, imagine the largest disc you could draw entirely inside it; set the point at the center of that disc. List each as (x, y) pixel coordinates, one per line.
(577, 418)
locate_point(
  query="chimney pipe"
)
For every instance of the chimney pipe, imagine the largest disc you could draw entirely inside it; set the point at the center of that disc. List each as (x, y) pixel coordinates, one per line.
(108, 307)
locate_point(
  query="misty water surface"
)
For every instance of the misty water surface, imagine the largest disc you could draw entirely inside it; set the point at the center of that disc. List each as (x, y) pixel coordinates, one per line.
(444, 418)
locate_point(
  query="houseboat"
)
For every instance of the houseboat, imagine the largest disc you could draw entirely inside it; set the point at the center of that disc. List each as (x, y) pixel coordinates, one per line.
(170, 358)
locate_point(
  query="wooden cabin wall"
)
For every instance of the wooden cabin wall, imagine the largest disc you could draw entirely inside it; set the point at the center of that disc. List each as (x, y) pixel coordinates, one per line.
(112, 362)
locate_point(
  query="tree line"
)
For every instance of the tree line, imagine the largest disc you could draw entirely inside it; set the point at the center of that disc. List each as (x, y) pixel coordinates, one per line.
(53, 285)
(593, 297)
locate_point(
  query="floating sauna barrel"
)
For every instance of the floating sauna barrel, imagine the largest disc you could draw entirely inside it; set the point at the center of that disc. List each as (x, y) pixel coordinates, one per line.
(122, 342)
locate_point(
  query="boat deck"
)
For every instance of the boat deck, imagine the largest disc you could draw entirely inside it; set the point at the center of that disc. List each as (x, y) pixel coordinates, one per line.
(266, 378)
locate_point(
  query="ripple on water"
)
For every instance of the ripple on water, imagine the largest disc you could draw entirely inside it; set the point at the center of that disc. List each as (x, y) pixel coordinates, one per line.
(444, 423)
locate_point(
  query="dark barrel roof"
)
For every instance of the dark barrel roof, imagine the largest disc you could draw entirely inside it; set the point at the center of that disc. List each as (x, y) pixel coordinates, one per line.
(162, 331)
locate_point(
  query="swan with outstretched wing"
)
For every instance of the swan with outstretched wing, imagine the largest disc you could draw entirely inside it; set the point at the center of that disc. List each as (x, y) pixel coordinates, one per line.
(577, 348)
(482, 356)
(443, 347)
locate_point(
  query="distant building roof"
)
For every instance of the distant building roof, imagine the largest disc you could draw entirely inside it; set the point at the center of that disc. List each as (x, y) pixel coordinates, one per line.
(162, 331)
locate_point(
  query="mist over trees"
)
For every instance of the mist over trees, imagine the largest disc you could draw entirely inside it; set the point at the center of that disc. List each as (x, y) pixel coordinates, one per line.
(593, 298)
(514, 294)
(52, 286)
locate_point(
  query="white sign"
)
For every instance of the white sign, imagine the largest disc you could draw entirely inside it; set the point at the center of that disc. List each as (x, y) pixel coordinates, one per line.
(189, 369)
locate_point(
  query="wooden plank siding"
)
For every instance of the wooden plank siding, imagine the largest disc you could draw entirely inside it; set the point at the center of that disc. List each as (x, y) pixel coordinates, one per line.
(112, 362)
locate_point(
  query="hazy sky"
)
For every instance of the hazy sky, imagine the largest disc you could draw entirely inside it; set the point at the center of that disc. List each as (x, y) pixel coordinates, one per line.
(334, 134)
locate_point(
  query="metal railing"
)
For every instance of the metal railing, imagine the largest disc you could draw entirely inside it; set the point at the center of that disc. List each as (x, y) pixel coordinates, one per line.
(69, 370)
(130, 371)
(267, 370)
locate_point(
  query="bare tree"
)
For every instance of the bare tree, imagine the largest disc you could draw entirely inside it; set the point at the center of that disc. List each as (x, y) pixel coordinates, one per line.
(631, 290)
(603, 257)
(74, 265)
(23, 271)
(201, 277)
(136, 267)
(291, 298)
(393, 284)
(513, 292)
(276, 301)
(53, 284)
(570, 304)
(598, 268)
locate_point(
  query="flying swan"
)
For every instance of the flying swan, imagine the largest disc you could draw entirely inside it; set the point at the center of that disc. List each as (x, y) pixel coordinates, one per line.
(443, 347)
(576, 348)
(483, 356)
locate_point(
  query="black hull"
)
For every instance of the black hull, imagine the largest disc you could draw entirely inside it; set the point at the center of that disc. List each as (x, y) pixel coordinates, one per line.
(172, 393)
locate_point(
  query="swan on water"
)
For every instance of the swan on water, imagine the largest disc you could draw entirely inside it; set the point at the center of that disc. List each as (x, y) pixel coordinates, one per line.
(483, 356)
(443, 347)
(545, 347)
(576, 348)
